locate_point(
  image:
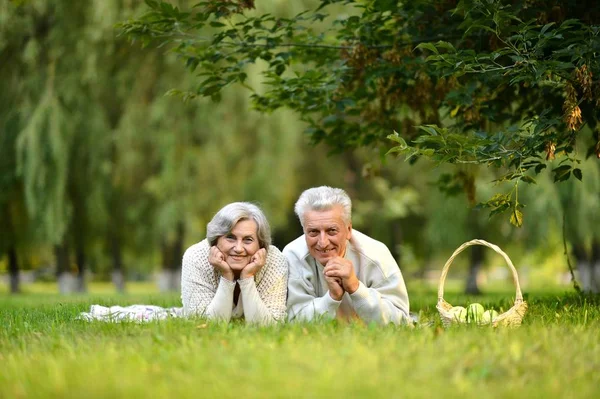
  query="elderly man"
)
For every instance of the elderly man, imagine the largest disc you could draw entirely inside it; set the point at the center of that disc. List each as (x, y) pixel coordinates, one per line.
(336, 271)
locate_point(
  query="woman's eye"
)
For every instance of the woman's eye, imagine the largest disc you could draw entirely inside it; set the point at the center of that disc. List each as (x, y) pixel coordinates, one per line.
(248, 240)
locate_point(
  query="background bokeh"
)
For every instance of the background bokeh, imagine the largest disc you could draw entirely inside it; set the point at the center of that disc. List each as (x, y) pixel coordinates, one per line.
(105, 178)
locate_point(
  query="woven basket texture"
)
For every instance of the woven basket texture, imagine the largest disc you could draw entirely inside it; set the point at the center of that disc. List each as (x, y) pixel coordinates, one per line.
(511, 318)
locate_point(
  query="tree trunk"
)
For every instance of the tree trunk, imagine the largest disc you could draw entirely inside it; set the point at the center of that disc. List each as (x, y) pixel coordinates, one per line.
(583, 266)
(117, 275)
(397, 240)
(595, 265)
(177, 258)
(477, 255)
(63, 274)
(476, 261)
(13, 264)
(13, 269)
(170, 277)
(164, 276)
(81, 266)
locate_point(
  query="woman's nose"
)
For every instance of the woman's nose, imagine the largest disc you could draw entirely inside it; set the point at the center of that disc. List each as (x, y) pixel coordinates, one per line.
(238, 246)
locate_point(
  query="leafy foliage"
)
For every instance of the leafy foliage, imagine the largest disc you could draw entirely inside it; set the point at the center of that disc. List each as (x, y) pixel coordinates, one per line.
(510, 86)
(94, 157)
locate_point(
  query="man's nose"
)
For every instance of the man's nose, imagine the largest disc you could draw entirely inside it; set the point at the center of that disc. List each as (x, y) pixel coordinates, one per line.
(323, 240)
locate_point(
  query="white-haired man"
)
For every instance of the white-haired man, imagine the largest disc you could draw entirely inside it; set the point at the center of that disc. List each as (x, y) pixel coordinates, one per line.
(336, 271)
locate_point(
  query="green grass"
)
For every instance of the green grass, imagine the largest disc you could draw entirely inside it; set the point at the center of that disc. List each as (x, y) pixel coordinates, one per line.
(46, 352)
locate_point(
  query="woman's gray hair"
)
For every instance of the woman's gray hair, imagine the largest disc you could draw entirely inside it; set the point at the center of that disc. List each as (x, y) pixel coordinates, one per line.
(224, 221)
(322, 199)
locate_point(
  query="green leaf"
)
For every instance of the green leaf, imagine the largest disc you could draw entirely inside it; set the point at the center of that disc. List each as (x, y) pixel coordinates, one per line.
(545, 28)
(279, 69)
(431, 129)
(501, 208)
(396, 137)
(577, 173)
(516, 218)
(528, 179)
(446, 45)
(428, 46)
(151, 3)
(562, 173)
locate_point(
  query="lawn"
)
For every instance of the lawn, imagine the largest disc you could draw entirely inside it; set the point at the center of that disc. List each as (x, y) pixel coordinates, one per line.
(46, 352)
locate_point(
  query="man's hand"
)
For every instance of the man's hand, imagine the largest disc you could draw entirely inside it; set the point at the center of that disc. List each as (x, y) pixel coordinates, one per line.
(342, 269)
(217, 260)
(336, 290)
(257, 262)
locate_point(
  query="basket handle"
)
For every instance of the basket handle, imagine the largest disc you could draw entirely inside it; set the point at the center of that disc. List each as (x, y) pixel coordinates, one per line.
(519, 295)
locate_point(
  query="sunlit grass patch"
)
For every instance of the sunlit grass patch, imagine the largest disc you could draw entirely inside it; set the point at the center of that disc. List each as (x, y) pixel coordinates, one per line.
(46, 352)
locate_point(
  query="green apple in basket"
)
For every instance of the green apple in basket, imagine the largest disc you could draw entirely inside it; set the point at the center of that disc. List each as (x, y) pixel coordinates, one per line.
(458, 313)
(488, 316)
(475, 313)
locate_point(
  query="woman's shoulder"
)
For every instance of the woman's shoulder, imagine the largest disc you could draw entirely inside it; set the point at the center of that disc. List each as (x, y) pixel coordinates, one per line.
(197, 251)
(274, 252)
(275, 257)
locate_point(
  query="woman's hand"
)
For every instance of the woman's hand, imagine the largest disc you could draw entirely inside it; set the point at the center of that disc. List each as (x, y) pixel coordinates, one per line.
(257, 262)
(217, 260)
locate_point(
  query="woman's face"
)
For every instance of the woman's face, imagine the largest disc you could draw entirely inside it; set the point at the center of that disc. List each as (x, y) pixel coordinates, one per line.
(239, 244)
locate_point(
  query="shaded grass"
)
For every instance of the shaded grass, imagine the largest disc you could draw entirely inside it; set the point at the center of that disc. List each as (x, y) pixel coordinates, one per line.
(46, 352)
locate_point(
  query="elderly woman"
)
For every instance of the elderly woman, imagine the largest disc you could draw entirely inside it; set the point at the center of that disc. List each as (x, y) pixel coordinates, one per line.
(235, 272)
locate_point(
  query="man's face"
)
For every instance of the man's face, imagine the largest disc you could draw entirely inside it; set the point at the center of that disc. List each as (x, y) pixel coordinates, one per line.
(326, 234)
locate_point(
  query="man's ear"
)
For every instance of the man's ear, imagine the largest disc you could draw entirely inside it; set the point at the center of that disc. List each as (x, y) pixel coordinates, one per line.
(349, 227)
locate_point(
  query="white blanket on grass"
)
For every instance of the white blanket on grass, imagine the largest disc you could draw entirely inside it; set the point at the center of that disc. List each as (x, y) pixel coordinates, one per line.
(143, 313)
(130, 313)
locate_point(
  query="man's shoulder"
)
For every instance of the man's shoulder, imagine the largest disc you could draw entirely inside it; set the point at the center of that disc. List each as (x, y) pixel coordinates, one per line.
(296, 246)
(374, 252)
(366, 244)
(296, 250)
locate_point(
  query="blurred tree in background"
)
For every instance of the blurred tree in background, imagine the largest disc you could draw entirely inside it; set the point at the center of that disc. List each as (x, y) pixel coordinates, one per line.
(101, 172)
(507, 85)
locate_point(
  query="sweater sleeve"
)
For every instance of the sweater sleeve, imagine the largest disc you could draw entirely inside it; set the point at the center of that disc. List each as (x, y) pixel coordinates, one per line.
(303, 302)
(381, 305)
(202, 292)
(386, 301)
(264, 300)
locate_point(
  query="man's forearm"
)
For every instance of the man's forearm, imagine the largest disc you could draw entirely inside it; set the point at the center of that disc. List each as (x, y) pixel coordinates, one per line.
(382, 306)
(306, 307)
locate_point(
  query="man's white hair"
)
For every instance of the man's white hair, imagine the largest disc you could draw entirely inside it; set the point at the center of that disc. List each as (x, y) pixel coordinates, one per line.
(322, 199)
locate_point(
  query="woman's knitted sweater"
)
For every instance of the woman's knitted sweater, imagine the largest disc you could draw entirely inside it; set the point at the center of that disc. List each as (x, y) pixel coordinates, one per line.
(205, 292)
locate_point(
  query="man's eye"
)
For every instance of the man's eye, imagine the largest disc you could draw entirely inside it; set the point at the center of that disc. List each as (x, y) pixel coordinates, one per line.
(313, 233)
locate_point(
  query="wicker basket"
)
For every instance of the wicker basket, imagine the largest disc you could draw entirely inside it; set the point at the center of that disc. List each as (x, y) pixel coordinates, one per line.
(511, 318)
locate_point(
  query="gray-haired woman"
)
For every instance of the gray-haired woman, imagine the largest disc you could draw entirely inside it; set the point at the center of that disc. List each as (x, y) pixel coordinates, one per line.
(235, 272)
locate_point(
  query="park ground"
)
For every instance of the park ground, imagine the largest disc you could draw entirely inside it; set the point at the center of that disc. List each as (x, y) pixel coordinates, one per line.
(46, 352)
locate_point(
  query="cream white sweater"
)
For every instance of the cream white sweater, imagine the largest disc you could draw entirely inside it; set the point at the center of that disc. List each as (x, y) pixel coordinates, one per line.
(381, 296)
(205, 292)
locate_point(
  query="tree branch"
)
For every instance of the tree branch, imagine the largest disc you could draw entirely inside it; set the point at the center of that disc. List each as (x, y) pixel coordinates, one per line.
(186, 36)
